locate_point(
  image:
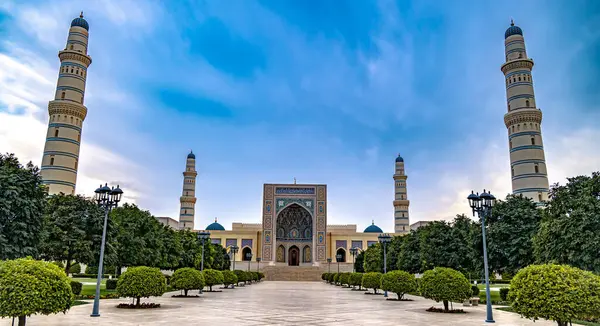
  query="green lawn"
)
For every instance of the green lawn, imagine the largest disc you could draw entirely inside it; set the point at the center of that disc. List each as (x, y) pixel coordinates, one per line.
(90, 289)
(578, 322)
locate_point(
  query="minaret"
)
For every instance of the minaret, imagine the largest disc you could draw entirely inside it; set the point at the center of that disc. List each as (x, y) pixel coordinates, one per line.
(67, 112)
(523, 121)
(401, 202)
(188, 195)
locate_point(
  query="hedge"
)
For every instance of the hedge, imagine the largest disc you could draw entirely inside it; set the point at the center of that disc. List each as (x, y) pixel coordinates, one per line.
(475, 291)
(212, 277)
(261, 275)
(344, 279)
(85, 275)
(241, 276)
(336, 278)
(325, 276)
(371, 280)
(229, 278)
(504, 294)
(141, 282)
(75, 268)
(331, 277)
(187, 279)
(356, 279)
(445, 284)
(111, 284)
(76, 287)
(399, 282)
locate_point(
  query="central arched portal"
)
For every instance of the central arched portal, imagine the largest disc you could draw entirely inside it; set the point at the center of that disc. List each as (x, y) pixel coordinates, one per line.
(294, 230)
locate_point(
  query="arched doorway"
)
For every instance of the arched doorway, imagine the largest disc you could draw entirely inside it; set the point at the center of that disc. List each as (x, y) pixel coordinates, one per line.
(306, 254)
(294, 256)
(341, 252)
(281, 254)
(245, 253)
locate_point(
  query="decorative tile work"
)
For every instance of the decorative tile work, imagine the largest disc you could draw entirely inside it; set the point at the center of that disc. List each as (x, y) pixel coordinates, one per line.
(321, 208)
(341, 244)
(320, 222)
(230, 242)
(304, 202)
(321, 252)
(267, 236)
(321, 237)
(268, 206)
(268, 224)
(268, 192)
(320, 193)
(370, 243)
(247, 243)
(267, 253)
(357, 244)
(294, 191)
(215, 241)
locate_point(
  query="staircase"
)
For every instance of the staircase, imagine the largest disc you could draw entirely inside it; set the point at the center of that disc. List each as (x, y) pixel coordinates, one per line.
(300, 273)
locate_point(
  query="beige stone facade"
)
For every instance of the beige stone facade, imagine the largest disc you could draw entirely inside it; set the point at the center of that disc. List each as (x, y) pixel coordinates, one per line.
(187, 201)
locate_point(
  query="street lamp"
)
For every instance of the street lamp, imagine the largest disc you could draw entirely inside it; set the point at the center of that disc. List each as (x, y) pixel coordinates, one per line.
(384, 239)
(258, 259)
(338, 257)
(234, 249)
(482, 204)
(202, 236)
(108, 199)
(329, 264)
(249, 258)
(353, 251)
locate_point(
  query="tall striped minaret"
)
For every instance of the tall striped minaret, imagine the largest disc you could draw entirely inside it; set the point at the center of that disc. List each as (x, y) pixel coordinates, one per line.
(401, 202)
(188, 195)
(67, 112)
(523, 121)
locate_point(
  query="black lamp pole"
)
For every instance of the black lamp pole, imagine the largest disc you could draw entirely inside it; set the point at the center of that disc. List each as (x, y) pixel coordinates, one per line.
(106, 198)
(338, 257)
(384, 239)
(249, 257)
(353, 251)
(329, 264)
(202, 236)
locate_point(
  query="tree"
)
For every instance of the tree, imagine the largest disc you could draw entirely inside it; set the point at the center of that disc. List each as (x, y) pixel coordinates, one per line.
(141, 282)
(22, 199)
(356, 279)
(409, 255)
(568, 233)
(392, 249)
(359, 266)
(555, 292)
(30, 287)
(373, 258)
(372, 280)
(510, 230)
(241, 276)
(171, 248)
(213, 277)
(438, 246)
(186, 279)
(444, 284)
(399, 282)
(229, 278)
(72, 230)
(191, 249)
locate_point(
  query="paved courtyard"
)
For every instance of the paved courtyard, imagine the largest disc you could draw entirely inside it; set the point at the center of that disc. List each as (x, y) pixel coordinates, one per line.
(278, 303)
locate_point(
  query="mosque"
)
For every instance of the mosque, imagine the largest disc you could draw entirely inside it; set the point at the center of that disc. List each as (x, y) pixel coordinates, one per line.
(293, 229)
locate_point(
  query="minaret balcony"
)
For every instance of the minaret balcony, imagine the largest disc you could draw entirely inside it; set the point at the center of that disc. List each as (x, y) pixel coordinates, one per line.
(74, 55)
(517, 64)
(523, 115)
(401, 202)
(400, 177)
(186, 199)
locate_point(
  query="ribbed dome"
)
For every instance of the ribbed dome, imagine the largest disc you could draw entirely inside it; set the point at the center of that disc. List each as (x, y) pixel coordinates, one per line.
(192, 155)
(513, 30)
(80, 22)
(399, 159)
(215, 226)
(373, 229)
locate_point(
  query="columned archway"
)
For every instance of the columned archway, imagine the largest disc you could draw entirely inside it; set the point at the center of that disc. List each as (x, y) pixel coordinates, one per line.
(306, 254)
(294, 235)
(294, 256)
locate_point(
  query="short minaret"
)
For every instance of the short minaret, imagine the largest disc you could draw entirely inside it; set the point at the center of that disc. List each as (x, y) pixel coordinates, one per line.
(67, 112)
(188, 195)
(523, 121)
(401, 202)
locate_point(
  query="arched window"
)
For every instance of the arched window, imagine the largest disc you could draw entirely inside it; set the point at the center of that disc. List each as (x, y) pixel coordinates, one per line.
(62, 95)
(539, 196)
(245, 252)
(76, 164)
(71, 69)
(56, 132)
(512, 172)
(513, 128)
(519, 78)
(510, 144)
(536, 168)
(185, 211)
(71, 47)
(51, 160)
(519, 127)
(341, 253)
(527, 103)
(71, 119)
(532, 140)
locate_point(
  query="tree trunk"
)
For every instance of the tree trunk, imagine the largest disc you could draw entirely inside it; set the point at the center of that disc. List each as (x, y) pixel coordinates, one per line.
(562, 323)
(137, 302)
(185, 292)
(210, 287)
(446, 305)
(22, 320)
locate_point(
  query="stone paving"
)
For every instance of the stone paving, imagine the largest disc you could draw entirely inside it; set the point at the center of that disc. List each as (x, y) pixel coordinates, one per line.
(278, 303)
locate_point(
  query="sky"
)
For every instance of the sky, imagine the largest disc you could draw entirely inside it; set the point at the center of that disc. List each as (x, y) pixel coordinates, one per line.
(327, 92)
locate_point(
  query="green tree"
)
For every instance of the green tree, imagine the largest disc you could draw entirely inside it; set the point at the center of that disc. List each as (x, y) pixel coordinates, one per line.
(72, 230)
(392, 250)
(22, 200)
(372, 280)
(510, 230)
(213, 277)
(186, 279)
(229, 278)
(356, 279)
(30, 287)
(555, 292)
(171, 248)
(409, 255)
(399, 282)
(568, 232)
(141, 282)
(373, 259)
(441, 247)
(359, 263)
(191, 249)
(444, 284)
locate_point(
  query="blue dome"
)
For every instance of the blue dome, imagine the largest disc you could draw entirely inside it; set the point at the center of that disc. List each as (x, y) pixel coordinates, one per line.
(80, 22)
(513, 30)
(399, 159)
(215, 227)
(192, 155)
(373, 229)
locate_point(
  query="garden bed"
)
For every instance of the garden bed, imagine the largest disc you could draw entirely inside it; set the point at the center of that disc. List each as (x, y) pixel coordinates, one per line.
(141, 306)
(450, 311)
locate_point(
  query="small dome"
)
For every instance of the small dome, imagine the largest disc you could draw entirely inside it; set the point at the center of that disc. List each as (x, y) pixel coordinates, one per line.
(191, 155)
(215, 226)
(80, 22)
(399, 159)
(373, 229)
(513, 30)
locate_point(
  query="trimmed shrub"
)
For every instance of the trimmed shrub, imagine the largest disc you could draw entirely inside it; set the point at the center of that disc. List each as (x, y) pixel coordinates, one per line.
(212, 277)
(255, 276)
(187, 279)
(91, 269)
(371, 280)
(331, 277)
(336, 278)
(59, 264)
(344, 279)
(241, 276)
(475, 291)
(555, 292)
(261, 275)
(75, 268)
(324, 276)
(445, 284)
(168, 279)
(111, 284)
(29, 287)
(76, 287)
(141, 282)
(82, 275)
(504, 294)
(356, 279)
(399, 282)
(229, 278)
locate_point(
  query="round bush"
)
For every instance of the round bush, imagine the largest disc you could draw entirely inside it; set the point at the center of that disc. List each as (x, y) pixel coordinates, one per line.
(241, 276)
(399, 282)
(111, 284)
(336, 278)
(324, 276)
(556, 292)
(331, 277)
(212, 277)
(30, 287)
(475, 291)
(76, 287)
(344, 278)
(261, 275)
(445, 284)
(187, 279)
(91, 269)
(75, 268)
(371, 280)
(255, 276)
(356, 279)
(229, 278)
(141, 282)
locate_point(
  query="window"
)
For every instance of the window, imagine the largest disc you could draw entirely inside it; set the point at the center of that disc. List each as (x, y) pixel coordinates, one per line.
(510, 144)
(62, 95)
(185, 211)
(56, 132)
(77, 71)
(51, 160)
(75, 164)
(532, 140)
(71, 119)
(513, 128)
(527, 103)
(536, 168)
(403, 227)
(71, 48)
(71, 70)
(519, 78)
(79, 137)
(539, 196)
(509, 107)
(512, 172)
(81, 99)
(519, 127)
(536, 126)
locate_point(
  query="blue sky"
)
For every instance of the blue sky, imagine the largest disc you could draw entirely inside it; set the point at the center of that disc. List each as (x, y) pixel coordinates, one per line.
(324, 91)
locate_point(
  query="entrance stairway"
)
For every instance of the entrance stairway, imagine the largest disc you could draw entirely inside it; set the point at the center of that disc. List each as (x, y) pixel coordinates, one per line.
(300, 273)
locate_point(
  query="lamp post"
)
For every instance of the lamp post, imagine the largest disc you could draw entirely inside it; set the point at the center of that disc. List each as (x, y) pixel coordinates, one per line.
(353, 251)
(482, 204)
(338, 257)
(249, 258)
(258, 259)
(108, 199)
(384, 239)
(202, 236)
(234, 249)
(329, 264)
